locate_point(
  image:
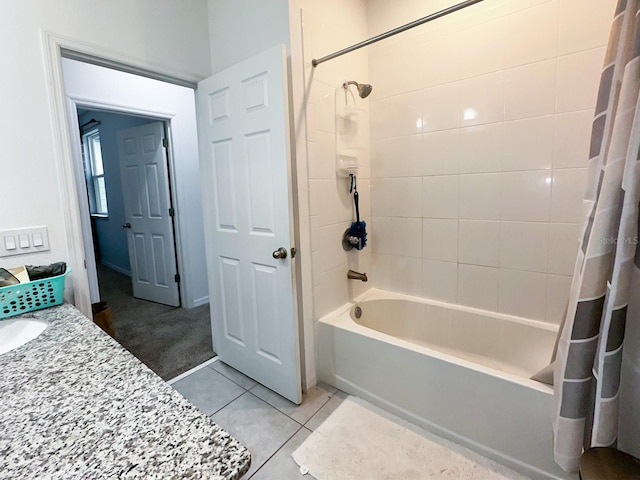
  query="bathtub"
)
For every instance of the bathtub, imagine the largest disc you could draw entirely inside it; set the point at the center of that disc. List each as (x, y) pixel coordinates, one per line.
(459, 372)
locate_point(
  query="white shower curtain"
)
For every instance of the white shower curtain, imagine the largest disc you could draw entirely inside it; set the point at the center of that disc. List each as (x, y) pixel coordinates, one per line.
(605, 291)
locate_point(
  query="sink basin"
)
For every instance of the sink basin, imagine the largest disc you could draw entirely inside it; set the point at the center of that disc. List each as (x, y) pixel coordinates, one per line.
(14, 333)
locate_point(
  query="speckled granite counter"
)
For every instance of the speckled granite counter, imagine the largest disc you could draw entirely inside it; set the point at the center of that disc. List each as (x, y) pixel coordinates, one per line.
(75, 404)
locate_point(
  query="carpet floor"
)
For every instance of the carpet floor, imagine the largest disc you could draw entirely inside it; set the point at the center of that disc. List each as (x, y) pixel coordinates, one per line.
(168, 340)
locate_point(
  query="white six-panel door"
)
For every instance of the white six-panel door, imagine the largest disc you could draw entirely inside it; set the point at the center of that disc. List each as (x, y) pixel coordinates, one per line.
(244, 154)
(145, 188)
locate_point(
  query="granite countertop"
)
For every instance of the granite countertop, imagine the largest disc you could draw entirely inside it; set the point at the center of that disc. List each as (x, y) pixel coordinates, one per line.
(75, 404)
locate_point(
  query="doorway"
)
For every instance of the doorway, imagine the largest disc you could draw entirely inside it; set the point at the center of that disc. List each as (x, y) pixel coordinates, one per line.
(169, 340)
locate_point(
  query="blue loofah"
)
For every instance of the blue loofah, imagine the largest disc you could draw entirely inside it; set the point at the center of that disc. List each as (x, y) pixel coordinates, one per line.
(358, 228)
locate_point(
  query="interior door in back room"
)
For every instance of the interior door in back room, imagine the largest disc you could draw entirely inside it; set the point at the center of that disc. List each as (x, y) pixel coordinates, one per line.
(147, 200)
(243, 129)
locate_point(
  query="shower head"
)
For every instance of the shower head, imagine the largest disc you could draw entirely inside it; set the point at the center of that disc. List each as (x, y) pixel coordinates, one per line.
(364, 89)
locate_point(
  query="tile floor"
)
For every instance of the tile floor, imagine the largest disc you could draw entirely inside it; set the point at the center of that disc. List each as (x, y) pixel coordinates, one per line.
(270, 426)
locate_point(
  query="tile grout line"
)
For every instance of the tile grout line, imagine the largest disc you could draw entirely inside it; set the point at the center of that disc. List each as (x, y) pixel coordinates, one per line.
(279, 448)
(285, 414)
(231, 379)
(226, 405)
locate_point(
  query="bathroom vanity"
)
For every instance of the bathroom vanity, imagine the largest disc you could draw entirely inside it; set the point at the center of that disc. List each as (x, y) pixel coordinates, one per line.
(75, 404)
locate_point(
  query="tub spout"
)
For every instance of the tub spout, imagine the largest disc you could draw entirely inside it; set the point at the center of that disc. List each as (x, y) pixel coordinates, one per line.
(357, 276)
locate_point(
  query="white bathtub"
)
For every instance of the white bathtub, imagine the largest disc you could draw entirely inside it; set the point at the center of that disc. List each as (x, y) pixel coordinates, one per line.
(459, 372)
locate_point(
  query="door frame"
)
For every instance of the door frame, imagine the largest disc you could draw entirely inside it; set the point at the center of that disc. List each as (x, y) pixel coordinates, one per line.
(73, 104)
(67, 147)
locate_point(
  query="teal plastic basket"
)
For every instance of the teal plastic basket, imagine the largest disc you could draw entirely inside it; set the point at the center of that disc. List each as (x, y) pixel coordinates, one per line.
(30, 296)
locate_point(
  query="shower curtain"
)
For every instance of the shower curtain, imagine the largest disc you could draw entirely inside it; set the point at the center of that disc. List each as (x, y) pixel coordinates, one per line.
(605, 291)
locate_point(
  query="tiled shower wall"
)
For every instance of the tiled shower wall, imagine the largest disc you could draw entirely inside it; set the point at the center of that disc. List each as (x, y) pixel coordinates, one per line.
(328, 26)
(480, 125)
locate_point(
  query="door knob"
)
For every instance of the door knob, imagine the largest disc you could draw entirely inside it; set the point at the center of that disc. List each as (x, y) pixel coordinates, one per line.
(280, 253)
(126, 225)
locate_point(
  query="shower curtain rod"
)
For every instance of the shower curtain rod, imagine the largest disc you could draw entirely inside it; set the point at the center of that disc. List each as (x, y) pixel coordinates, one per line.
(395, 31)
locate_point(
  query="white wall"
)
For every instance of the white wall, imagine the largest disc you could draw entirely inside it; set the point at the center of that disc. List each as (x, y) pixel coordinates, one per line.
(240, 29)
(171, 35)
(480, 124)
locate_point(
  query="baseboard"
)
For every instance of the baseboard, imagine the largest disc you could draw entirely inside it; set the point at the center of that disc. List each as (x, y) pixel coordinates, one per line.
(116, 268)
(201, 301)
(194, 369)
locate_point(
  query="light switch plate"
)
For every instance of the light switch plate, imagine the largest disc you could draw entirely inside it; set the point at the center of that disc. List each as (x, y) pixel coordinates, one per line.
(24, 241)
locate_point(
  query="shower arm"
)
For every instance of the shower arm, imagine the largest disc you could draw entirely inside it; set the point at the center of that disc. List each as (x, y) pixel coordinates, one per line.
(395, 31)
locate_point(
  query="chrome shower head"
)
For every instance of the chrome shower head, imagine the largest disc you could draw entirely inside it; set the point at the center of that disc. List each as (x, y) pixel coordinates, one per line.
(364, 89)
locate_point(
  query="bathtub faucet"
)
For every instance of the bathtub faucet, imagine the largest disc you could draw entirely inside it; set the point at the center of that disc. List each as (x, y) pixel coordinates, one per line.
(357, 276)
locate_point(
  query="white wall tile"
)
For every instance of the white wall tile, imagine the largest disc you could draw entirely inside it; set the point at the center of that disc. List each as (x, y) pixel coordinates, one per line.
(591, 31)
(440, 280)
(578, 80)
(397, 116)
(572, 134)
(567, 194)
(558, 288)
(444, 65)
(482, 48)
(396, 70)
(406, 235)
(440, 107)
(329, 241)
(478, 286)
(523, 294)
(323, 99)
(332, 291)
(322, 157)
(481, 99)
(406, 197)
(380, 271)
(314, 197)
(440, 196)
(528, 144)
(524, 246)
(439, 152)
(517, 164)
(335, 202)
(404, 155)
(526, 196)
(479, 242)
(406, 275)
(529, 90)
(381, 197)
(480, 196)
(440, 239)
(380, 235)
(480, 148)
(531, 35)
(563, 247)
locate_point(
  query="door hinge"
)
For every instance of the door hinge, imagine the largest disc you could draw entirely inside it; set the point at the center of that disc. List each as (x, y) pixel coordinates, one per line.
(172, 212)
(177, 278)
(165, 142)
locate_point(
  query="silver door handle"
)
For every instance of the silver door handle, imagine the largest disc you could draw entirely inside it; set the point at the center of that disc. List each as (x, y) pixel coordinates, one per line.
(280, 253)
(126, 225)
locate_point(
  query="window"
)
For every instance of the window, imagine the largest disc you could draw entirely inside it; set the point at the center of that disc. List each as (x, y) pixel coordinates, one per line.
(95, 173)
